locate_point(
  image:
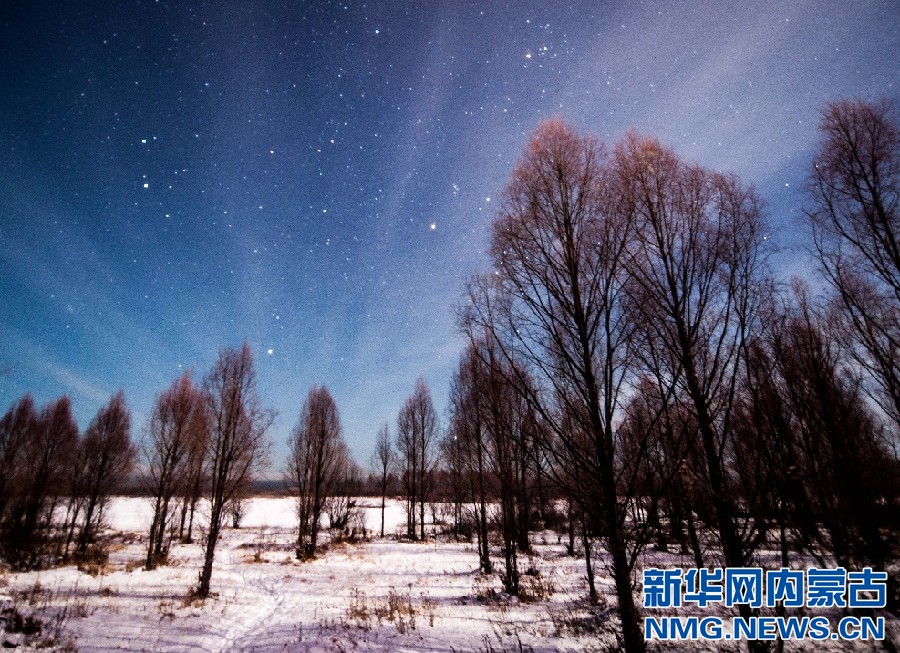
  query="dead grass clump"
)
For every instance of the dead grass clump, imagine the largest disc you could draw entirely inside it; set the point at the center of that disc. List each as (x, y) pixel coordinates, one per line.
(131, 565)
(502, 647)
(18, 622)
(255, 559)
(352, 536)
(534, 587)
(36, 595)
(94, 561)
(191, 600)
(577, 619)
(166, 609)
(395, 608)
(483, 589)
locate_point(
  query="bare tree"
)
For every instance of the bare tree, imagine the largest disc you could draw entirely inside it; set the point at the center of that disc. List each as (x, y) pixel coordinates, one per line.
(698, 279)
(341, 504)
(838, 451)
(177, 416)
(105, 457)
(195, 476)
(317, 452)
(237, 444)
(855, 216)
(37, 454)
(16, 428)
(554, 307)
(454, 473)
(468, 432)
(383, 459)
(417, 435)
(506, 418)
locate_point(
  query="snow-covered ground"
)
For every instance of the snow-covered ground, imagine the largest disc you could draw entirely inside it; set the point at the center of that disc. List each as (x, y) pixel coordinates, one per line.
(379, 595)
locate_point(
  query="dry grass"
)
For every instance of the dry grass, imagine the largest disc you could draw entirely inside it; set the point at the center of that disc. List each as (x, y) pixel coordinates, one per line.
(396, 608)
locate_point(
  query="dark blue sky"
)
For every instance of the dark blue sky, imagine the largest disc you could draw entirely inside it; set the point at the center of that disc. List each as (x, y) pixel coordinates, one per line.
(319, 178)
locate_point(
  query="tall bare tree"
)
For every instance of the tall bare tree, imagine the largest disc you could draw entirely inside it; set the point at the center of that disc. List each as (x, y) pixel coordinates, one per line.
(195, 475)
(417, 436)
(508, 426)
(698, 280)
(855, 216)
(105, 458)
(237, 444)
(383, 460)
(554, 307)
(317, 453)
(178, 415)
(468, 432)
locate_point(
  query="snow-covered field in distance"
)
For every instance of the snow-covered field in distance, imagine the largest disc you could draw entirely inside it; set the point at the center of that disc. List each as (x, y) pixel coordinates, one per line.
(380, 595)
(134, 513)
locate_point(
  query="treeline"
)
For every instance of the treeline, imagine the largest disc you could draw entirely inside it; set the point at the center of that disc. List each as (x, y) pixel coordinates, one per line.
(202, 442)
(55, 483)
(632, 347)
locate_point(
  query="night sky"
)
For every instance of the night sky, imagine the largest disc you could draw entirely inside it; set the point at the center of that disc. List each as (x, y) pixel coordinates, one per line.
(320, 178)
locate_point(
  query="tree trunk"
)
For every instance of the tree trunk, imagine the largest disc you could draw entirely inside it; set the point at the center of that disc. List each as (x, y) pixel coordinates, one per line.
(85, 536)
(486, 565)
(211, 540)
(191, 522)
(524, 508)
(628, 614)
(184, 509)
(422, 516)
(694, 539)
(149, 563)
(588, 563)
(570, 547)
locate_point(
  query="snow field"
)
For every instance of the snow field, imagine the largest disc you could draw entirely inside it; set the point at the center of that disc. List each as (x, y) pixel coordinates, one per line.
(378, 595)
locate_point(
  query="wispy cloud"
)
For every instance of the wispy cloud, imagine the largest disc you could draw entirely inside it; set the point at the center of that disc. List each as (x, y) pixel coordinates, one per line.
(77, 384)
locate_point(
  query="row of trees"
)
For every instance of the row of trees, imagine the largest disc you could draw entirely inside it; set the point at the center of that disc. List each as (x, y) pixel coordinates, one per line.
(491, 456)
(632, 345)
(324, 478)
(201, 442)
(47, 467)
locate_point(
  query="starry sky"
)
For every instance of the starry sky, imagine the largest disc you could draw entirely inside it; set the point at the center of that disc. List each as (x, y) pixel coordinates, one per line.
(319, 178)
